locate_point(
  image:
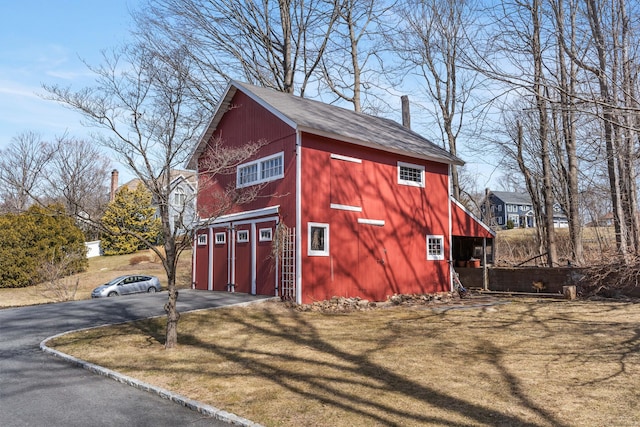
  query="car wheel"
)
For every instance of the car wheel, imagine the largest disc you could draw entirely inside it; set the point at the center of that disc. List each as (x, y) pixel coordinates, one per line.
(152, 290)
(112, 294)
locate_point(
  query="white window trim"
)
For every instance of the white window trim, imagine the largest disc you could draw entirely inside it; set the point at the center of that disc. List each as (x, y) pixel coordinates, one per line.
(346, 207)
(242, 236)
(346, 158)
(202, 239)
(376, 222)
(311, 252)
(412, 183)
(266, 234)
(435, 257)
(221, 238)
(259, 163)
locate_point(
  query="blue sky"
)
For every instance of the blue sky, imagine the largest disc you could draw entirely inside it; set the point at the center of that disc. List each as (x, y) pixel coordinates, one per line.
(45, 41)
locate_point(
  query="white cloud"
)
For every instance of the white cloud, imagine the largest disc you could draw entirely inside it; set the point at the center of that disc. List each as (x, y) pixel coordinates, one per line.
(16, 89)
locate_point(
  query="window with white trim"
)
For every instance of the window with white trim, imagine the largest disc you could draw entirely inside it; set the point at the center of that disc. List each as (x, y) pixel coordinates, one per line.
(262, 170)
(202, 239)
(242, 236)
(247, 174)
(435, 248)
(179, 197)
(266, 235)
(317, 239)
(271, 168)
(409, 174)
(221, 238)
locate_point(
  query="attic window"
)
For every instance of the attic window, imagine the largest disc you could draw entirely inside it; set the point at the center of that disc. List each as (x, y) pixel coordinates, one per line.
(409, 174)
(262, 170)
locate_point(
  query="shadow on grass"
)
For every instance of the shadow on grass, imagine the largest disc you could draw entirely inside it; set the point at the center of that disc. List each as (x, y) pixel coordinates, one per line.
(333, 390)
(347, 379)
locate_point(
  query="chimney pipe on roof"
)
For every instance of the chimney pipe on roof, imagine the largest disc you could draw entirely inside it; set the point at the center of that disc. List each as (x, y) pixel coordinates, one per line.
(114, 185)
(406, 114)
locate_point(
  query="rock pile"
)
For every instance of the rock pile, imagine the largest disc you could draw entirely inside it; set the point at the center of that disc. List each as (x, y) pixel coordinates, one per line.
(347, 305)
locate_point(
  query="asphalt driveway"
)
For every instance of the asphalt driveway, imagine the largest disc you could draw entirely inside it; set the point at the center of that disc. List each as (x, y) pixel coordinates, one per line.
(37, 389)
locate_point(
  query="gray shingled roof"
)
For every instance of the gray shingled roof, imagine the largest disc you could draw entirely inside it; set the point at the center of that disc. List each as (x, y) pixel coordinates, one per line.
(329, 120)
(513, 198)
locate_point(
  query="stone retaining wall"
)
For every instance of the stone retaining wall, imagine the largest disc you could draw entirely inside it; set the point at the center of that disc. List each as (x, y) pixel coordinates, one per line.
(523, 279)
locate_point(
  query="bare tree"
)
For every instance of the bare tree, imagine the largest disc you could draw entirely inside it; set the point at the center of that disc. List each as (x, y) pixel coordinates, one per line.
(142, 103)
(431, 40)
(353, 60)
(276, 44)
(77, 176)
(540, 93)
(601, 44)
(56, 284)
(22, 166)
(566, 131)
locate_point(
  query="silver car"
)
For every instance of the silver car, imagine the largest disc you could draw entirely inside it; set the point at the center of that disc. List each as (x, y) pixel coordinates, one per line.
(130, 284)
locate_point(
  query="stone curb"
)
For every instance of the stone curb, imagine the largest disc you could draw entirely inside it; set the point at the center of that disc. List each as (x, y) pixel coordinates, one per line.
(194, 405)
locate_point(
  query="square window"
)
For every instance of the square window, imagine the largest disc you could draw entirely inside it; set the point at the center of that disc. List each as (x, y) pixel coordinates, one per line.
(266, 235)
(435, 248)
(243, 236)
(202, 239)
(318, 239)
(409, 174)
(221, 238)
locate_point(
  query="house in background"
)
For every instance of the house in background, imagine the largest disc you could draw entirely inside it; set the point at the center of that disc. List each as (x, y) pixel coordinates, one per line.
(605, 220)
(182, 198)
(503, 207)
(350, 204)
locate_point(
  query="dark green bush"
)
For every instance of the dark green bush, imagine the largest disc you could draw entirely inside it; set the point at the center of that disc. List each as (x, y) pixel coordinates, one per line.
(39, 235)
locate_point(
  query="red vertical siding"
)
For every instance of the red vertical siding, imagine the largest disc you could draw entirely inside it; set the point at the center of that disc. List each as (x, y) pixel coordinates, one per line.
(464, 224)
(368, 260)
(247, 122)
(371, 260)
(265, 262)
(243, 262)
(202, 263)
(220, 260)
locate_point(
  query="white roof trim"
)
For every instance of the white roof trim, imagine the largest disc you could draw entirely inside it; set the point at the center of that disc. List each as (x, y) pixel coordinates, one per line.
(269, 211)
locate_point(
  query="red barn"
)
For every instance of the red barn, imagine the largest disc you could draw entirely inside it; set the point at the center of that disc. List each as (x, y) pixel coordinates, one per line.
(350, 204)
